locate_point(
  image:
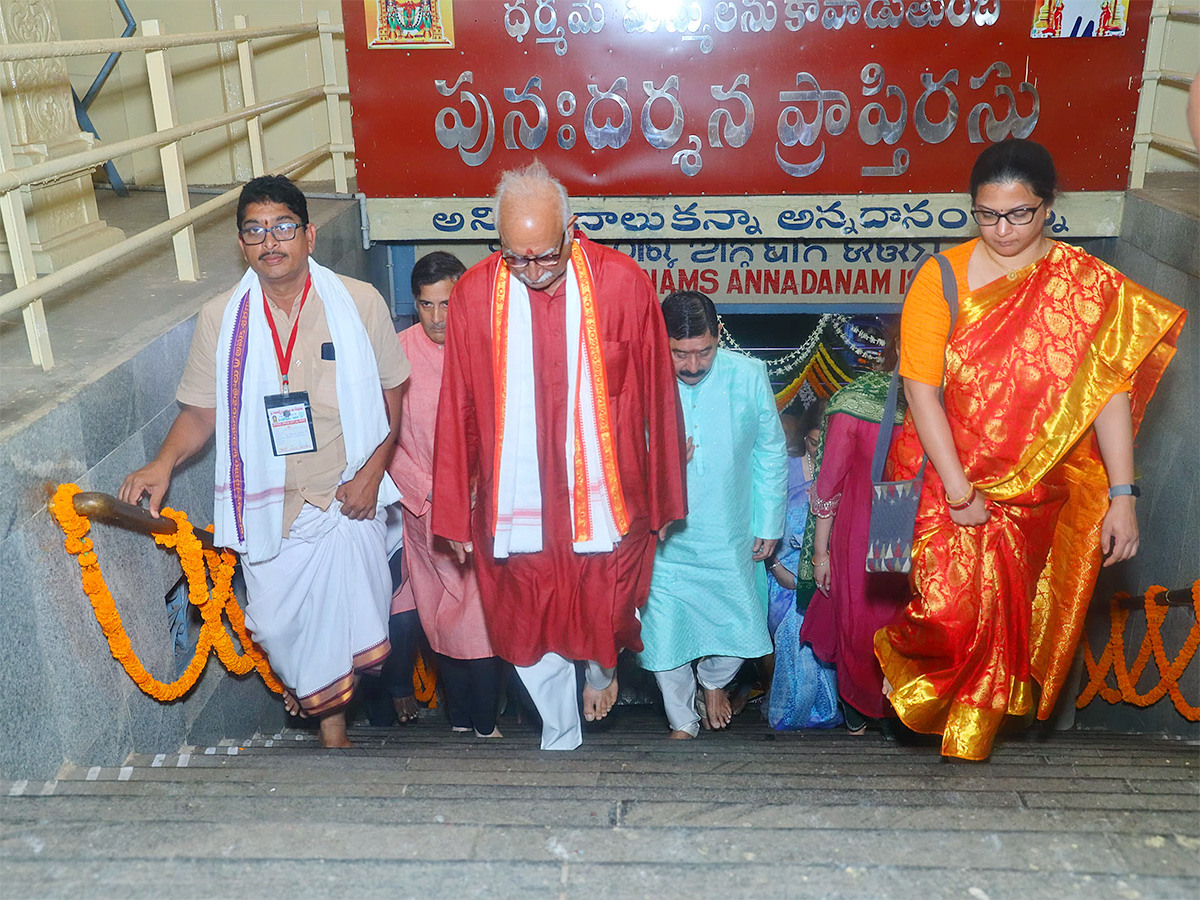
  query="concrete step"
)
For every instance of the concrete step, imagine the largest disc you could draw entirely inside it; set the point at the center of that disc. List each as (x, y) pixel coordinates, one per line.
(336, 772)
(589, 813)
(1095, 853)
(724, 764)
(417, 811)
(571, 880)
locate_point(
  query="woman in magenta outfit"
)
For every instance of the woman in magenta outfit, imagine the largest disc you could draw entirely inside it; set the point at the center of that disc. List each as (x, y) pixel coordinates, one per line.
(850, 604)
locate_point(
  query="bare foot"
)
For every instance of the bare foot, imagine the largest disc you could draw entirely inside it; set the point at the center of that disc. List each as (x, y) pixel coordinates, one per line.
(292, 705)
(406, 709)
(597, 704)
(681, 736)
(333, 732)
(718, 710)
(740, 698)
(495, 733)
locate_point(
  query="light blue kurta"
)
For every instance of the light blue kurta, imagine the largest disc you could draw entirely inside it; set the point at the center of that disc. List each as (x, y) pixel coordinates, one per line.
(703, 597)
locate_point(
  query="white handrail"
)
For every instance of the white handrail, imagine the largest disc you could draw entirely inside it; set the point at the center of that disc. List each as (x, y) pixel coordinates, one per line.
(44, 49)
(1145, 137)
(39, 173)
(31, 288)
(15, 299)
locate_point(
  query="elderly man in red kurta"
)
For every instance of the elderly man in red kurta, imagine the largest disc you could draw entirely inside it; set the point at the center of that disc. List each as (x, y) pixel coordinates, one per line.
(560, 450)
(444, 591)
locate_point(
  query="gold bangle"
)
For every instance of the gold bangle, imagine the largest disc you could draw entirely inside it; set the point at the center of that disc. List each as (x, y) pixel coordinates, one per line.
(959, 505)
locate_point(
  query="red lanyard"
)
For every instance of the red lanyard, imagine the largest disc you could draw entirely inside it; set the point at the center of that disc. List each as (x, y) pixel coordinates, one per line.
(285, 360)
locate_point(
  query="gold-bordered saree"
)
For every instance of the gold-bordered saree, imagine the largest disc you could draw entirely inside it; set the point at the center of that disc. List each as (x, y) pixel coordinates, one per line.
(1033, 359)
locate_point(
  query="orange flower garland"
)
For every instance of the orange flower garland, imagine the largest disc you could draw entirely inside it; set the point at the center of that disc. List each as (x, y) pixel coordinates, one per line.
(425, 682)
(193, 559)
(1113, 658)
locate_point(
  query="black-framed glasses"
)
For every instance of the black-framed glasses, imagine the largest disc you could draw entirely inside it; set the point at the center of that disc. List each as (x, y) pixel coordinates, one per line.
(549, 258)
(1022, 215)
(256, 234)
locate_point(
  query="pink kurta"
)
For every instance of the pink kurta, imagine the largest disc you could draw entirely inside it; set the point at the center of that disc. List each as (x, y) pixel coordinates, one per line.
(446, 595)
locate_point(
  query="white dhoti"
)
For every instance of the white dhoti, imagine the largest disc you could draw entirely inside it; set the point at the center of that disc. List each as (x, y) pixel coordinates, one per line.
(320, 608)
(678, 688)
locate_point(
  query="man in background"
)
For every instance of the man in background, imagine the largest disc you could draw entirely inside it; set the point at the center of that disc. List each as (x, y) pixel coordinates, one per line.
(444, 591)
(707, 607)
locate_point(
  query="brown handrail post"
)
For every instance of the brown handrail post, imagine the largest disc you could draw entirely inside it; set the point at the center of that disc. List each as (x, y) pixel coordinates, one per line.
(109, 509)
(1177, 597)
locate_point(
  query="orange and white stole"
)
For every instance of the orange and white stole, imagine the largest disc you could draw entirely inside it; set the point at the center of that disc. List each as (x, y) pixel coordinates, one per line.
(598, 513)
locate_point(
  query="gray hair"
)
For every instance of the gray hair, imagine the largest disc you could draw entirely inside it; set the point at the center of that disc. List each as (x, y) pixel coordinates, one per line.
(524, 184)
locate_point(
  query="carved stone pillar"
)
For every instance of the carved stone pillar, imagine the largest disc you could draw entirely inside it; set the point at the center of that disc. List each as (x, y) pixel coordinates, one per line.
(64, 224)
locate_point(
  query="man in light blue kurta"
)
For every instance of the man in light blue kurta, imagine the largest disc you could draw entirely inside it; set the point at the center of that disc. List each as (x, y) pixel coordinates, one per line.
(706, 607)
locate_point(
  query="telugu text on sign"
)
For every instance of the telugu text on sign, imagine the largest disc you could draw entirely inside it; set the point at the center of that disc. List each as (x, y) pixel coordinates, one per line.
(753, 97)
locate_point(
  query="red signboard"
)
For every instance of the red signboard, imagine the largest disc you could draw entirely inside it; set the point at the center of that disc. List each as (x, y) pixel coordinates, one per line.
(761, 97)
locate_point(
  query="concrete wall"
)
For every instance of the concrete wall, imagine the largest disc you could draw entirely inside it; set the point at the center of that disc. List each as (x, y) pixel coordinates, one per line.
(1158, 249)
(66, 698)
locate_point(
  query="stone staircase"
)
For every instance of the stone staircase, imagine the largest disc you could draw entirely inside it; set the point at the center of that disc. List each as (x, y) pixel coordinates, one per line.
(420, 812)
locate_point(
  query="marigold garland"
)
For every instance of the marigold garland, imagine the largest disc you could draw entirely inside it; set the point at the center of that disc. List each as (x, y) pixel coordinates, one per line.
(425, 682)
(194, 559)
(1113, 658)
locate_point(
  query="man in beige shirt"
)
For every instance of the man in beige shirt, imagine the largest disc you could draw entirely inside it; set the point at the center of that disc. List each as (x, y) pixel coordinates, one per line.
(299, 376)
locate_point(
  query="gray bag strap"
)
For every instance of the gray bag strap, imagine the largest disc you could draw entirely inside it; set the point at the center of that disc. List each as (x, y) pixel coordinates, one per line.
(950, 291)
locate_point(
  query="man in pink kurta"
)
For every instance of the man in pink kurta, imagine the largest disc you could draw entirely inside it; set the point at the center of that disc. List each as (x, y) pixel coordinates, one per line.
(549, 607)
(444, 591)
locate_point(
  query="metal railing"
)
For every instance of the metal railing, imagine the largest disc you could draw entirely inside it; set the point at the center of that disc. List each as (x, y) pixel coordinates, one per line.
(1145, 137)
(168, 134)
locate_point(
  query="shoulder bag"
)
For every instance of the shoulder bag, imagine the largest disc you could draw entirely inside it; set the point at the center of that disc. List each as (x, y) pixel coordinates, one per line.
(894, 503)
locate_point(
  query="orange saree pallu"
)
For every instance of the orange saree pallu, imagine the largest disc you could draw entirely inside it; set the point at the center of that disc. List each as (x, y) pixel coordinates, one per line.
(1033, 359)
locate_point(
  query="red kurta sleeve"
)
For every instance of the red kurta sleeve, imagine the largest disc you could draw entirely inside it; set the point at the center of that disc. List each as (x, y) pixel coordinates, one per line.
(456, 442)
(837, 458)
(666, 442)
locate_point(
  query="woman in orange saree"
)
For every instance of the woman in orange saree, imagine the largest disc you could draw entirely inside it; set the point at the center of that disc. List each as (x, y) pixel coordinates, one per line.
(1046, 378)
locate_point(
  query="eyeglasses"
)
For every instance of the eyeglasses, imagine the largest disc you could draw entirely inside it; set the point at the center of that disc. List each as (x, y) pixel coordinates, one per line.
(545, 260)
(1022, 215)
(256, 234)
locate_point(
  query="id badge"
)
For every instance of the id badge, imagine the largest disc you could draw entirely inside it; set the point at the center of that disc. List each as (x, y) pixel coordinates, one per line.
(289, 418)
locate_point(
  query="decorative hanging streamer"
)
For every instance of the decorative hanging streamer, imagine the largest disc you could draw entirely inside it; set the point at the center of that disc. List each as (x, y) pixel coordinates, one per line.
(831, 357)
(822, 376)
(1113, 658)
(193, 558)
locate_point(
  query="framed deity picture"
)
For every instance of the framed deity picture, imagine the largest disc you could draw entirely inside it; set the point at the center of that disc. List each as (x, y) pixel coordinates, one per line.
(409, 23)
(1079, 18)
